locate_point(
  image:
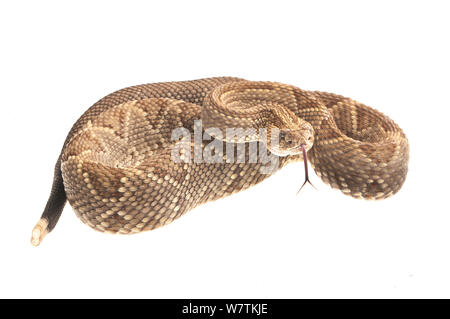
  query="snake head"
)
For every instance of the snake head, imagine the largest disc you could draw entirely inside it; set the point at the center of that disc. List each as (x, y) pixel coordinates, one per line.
(291, 140)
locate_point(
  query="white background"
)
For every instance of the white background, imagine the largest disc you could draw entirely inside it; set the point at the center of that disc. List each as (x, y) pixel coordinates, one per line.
(57, 59)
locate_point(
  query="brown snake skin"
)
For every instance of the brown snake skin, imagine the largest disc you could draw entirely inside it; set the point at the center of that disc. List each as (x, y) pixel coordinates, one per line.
(115, 168)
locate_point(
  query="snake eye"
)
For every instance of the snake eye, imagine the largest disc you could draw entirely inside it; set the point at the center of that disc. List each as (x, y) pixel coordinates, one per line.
(282, 135)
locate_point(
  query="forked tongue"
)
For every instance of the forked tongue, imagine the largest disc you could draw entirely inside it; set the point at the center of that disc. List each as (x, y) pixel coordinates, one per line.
(305, 160)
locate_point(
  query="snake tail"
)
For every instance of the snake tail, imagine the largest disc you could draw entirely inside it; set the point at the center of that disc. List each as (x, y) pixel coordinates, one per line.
(52, 210)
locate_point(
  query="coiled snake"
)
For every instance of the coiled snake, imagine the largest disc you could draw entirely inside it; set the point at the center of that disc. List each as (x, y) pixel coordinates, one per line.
(118, 171)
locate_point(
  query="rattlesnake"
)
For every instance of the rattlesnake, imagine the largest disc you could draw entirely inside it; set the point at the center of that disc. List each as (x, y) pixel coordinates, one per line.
(118, 172)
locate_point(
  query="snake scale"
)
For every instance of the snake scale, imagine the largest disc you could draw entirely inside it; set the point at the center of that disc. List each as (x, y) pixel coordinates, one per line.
(118, 172)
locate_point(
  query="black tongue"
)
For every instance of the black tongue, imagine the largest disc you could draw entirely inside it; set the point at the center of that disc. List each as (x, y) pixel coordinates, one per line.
(305, 160)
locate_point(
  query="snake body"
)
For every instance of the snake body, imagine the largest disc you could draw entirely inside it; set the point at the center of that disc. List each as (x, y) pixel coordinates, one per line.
(117, 171)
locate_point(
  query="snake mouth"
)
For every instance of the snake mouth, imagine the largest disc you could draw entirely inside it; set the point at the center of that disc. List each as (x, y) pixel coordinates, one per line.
(305, 161)
(302, 148)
